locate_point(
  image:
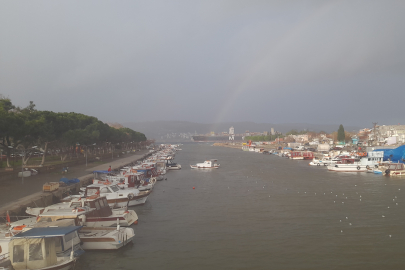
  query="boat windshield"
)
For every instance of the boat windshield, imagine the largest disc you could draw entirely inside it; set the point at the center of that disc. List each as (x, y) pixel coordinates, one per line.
(114, 188)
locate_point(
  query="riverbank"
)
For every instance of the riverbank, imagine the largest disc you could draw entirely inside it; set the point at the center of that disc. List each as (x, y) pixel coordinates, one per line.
(18, 194)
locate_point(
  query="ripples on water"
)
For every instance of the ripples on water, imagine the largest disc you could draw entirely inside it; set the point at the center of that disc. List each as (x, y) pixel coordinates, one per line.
(263, 212)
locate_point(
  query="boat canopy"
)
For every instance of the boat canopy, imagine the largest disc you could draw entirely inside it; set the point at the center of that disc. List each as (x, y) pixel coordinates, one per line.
(45, 232)
(395, 155)
(36, 248)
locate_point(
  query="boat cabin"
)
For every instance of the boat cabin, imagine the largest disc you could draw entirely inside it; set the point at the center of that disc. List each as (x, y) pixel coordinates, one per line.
(302, 155)
(395, 166)
(38, 248)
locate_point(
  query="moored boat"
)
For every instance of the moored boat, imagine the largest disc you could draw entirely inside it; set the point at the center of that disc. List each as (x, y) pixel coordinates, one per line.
(37, 248)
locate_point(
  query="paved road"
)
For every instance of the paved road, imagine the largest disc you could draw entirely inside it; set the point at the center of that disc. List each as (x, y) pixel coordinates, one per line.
(16, 188)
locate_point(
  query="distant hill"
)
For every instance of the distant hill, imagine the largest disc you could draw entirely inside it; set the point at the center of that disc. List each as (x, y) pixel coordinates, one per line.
(178, 130)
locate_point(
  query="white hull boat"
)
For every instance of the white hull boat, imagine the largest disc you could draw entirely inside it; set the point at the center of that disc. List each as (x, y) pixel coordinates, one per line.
(208, 164)
(348, 168)
(105, 238)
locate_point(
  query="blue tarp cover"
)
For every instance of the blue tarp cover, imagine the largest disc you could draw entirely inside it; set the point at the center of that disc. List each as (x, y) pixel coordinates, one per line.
(69, 181)
(47, 232)
(395, 155)
(101, 172)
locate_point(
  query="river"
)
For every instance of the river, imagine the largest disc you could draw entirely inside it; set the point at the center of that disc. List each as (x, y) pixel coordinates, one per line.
(263, 212)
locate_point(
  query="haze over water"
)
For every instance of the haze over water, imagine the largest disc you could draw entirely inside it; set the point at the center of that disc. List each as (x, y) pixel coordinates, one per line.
(263, 212)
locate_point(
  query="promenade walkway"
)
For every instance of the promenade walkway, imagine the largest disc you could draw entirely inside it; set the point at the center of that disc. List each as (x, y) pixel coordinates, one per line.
(17, 191)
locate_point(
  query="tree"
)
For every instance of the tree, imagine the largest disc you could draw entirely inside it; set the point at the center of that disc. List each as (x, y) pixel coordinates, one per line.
(341, 134)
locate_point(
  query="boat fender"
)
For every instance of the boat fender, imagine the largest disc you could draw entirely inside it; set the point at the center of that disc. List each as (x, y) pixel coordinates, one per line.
(387, 172)
(358, 167)
(368, 167)
(19, 228)
(325, 164)
(376, 166)
(336, 166)
(130, 196)
(319, 164)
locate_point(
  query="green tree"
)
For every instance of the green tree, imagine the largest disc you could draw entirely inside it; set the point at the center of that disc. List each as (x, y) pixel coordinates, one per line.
(341, 134)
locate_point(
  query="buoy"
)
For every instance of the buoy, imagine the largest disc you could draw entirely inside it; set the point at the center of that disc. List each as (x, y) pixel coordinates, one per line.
(193, 187)
(390, 235)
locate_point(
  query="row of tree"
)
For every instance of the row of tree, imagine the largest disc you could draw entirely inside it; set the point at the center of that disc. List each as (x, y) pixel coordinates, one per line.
(339, 135)
(25, 129)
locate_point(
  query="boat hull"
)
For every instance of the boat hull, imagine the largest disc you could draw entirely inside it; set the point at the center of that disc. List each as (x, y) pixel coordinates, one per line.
(347, 168)
(203, 167)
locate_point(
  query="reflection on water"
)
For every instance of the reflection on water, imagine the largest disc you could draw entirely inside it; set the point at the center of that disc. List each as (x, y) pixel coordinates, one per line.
(263, 212)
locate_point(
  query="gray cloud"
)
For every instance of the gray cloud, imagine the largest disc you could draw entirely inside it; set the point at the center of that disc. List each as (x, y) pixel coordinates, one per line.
(207, 61)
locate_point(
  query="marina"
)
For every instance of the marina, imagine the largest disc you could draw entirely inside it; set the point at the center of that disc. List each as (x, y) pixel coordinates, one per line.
(259, 214)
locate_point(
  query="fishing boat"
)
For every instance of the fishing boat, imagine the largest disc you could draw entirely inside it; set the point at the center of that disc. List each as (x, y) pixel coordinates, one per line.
(208, 164)
(37, 248)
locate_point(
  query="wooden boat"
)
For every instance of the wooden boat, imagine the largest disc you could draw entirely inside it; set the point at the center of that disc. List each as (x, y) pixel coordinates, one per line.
(208, 164)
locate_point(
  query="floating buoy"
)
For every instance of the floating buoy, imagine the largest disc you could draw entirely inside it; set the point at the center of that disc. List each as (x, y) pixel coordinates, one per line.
(390, 235)
(193, 187)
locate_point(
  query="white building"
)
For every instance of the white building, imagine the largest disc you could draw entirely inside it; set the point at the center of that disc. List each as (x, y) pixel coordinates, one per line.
(231, 134)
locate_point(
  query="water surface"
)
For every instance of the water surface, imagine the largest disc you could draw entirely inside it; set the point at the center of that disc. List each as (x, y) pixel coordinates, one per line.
(263, 212)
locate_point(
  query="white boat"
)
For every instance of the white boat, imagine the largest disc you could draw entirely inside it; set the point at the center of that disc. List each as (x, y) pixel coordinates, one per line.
(117, 196)
(38, 248)
(363, 164)
(97, 211)
(208, 164)
(105, 238)
(393, 169)
(172, 166)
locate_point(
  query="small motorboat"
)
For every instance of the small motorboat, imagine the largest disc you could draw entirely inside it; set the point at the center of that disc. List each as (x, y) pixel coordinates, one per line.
(172, 165)
(105, 238)
(208, 164)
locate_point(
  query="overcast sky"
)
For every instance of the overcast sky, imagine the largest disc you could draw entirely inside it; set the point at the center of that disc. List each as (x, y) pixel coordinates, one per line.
(207, 61)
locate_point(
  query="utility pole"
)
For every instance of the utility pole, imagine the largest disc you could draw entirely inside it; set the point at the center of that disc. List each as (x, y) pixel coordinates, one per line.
(374, 131)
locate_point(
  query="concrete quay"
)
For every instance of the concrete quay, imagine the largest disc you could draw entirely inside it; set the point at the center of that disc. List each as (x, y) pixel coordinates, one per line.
(19, 204)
